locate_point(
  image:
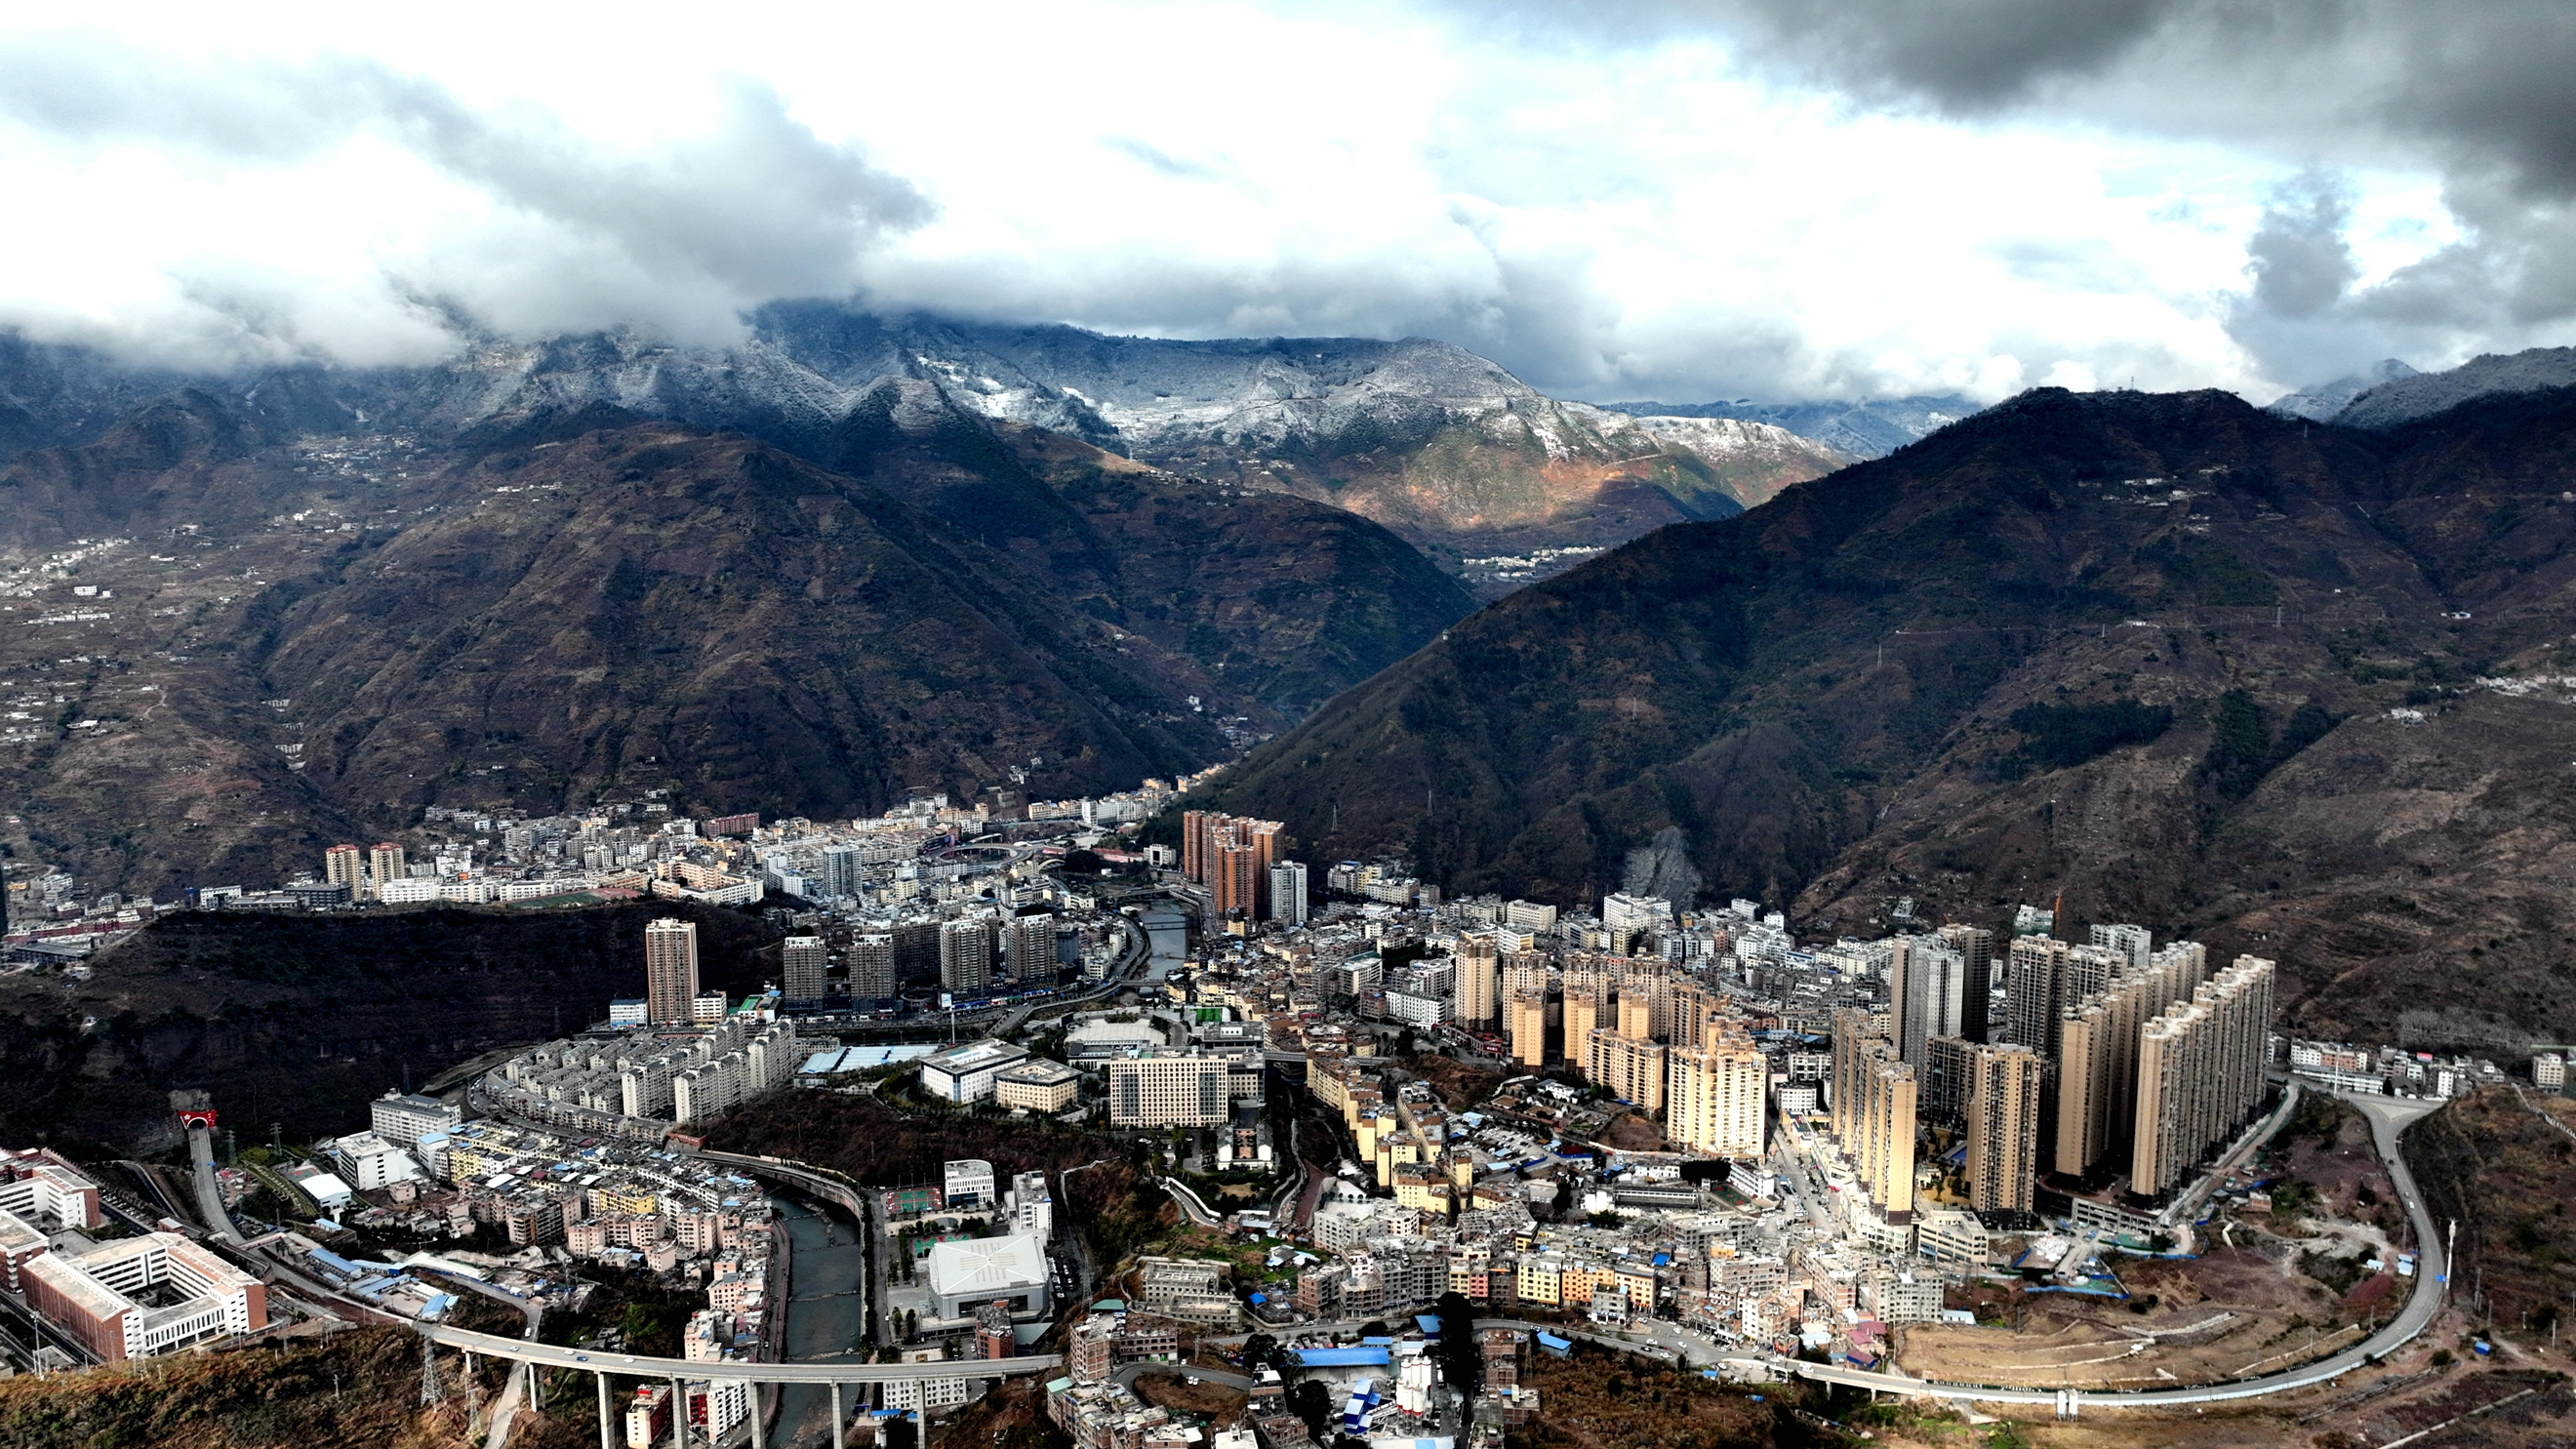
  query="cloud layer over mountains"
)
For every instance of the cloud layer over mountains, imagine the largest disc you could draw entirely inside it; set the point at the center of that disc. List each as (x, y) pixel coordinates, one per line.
(1681, 200)
(2474, 93)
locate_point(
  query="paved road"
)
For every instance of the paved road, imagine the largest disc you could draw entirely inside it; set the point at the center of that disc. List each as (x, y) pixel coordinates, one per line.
(210, 1194)
(596, 1361)
(1197, 1211)
(2178, 1217)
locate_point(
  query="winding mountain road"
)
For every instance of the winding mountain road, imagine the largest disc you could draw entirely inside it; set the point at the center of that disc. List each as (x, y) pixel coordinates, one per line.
(2388, 1117)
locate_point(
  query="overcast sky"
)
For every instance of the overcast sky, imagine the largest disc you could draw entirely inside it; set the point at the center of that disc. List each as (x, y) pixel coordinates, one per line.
(1741, 198)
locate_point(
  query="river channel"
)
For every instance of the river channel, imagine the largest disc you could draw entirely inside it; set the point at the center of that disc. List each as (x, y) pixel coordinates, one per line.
(827, 1312)
(1169, 933)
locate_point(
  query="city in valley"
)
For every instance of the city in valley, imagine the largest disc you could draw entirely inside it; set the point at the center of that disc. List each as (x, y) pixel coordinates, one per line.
(2009, 1166)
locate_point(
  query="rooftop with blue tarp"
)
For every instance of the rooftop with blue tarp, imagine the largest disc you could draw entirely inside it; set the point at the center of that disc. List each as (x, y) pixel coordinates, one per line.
(1357, 1356)
(1427, 1322)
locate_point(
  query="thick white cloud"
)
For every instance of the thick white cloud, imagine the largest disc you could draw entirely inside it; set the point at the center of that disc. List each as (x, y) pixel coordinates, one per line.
(1632, 211)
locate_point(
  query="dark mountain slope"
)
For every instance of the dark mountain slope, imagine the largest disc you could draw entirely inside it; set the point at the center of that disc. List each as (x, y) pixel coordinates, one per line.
(340, 633)
(782, 638)
(2036, 653)
(1287, 600)
(296, 1019)
(56, 396)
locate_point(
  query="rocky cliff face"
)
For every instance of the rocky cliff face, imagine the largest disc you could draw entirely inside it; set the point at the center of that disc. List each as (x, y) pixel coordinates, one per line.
(2298, 690)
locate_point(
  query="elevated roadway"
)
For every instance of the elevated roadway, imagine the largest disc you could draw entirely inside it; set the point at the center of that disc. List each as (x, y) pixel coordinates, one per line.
(527, 1355)
(591, 1360)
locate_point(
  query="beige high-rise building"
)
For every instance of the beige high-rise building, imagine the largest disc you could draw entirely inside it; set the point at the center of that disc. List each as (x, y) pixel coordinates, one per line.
(1477, 996)
(1977, 944)
(2200, 1072)
(1883, 1128)
(802, 962)
(2097, 1056)
(2004, 1095)
(1874, 1115)
(345, 865)
(1527, 1019)
(1931, 995)
(1854, 1029)
(2034, 998)
(385, 862)
(1583, 1016)
(1714, 1102)
(1631, 1068)
(1176, 1091)
(1696, 1015)
(1636, 1016)
(1653, 984)
(670, 971)
(967, 949)
(872, 966)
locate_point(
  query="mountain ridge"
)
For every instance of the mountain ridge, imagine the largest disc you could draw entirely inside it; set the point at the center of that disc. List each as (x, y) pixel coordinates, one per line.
(1447, 448)
(1823, 696)
(1871, 428)
(296, 639)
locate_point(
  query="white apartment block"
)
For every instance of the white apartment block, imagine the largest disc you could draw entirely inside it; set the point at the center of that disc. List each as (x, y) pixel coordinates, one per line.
(1180, 1091)
(404, 1120)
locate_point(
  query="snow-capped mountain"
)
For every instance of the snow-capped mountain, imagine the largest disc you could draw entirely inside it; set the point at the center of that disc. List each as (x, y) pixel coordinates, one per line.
(2407, 399)
(2324, 401)
(1871, 429)
(1447, 448)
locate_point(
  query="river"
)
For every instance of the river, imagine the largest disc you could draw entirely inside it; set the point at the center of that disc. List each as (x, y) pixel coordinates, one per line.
(827, 1313)
(1169, 932)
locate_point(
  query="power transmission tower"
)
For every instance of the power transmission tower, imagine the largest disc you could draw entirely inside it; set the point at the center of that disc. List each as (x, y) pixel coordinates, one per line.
(433, 1389)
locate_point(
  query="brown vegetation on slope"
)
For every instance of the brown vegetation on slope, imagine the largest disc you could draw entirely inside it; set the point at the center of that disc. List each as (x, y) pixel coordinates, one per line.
(2499, 1163)
(359, 1389)
(2138, 652)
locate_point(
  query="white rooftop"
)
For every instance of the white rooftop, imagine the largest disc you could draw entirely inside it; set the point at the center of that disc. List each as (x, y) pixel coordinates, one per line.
(968, 1056)
(999, 1266)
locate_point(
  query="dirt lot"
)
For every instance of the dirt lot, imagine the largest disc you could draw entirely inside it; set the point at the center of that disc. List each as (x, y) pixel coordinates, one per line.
(1011, 1416)
(1597, 1401)
(2264, 1288)
(1216, 1403)
(1633, 1132)
(2185, 1320)
(1459, 1086)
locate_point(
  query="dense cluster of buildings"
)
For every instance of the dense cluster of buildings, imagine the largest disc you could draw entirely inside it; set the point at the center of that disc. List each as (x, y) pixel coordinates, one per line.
(676, 1055)
(558, 1202)
(2398, 1072)
(44, 921)
(1832, 1128)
